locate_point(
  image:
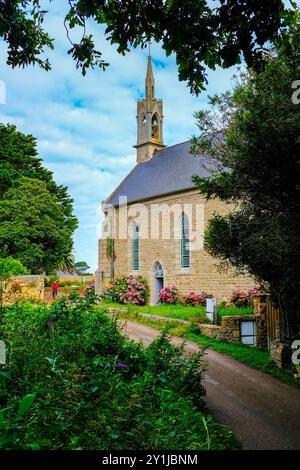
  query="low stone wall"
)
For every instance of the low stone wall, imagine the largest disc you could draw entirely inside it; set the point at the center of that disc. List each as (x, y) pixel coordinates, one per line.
(230, 329)
(230, 326)
(213, 331)
(28, 287)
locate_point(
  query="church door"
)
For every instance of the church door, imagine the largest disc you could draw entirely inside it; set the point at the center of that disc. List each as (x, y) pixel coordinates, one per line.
(159, 281)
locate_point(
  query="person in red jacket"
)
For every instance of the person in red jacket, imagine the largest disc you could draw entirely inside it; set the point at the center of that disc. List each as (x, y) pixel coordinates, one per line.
(54, 288)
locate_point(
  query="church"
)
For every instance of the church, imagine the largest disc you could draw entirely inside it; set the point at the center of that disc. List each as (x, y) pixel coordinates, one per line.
(155, 219)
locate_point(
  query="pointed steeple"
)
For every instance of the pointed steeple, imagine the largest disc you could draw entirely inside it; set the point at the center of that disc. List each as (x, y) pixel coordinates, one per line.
(149, 119)
(149, 82)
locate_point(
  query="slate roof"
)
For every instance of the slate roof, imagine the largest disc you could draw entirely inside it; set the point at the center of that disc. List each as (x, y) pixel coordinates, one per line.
(170, 170)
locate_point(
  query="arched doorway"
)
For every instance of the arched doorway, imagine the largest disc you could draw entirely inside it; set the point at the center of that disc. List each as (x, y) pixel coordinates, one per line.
(159, 280)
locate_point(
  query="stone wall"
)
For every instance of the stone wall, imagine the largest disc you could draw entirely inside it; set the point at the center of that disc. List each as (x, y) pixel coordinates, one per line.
(260, 301)
(28, 287)
(230, 329)
(279, 351)
(203, 273)
(213, 331)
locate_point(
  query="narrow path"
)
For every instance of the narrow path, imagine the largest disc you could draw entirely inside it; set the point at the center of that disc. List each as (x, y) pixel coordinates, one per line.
(263, 412)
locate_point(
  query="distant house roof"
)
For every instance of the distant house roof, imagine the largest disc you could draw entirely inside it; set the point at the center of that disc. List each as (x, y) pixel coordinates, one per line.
(170, 170)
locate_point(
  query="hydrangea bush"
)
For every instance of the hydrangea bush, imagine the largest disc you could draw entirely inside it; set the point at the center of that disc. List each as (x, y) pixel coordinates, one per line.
(127, 290)
(169, 295)
(240, 298)
(195, 299)
(89, 289)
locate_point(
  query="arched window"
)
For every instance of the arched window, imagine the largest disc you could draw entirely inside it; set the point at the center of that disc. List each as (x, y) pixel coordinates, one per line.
(155, 127)
(135, 247)
(184, 241)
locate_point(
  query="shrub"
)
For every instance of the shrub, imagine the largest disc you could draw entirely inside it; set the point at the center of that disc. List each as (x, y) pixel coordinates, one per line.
(69, 365)
(11, 267)
(195, 299)
(169, 295)
(240, 298)
(89, 289)
(127, 290)
(49, 280)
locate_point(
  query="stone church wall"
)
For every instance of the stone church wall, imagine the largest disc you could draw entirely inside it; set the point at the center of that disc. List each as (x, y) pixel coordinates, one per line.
(203, 273)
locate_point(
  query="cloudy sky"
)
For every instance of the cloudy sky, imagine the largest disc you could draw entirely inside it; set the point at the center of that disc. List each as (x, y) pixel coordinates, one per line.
(86, 126)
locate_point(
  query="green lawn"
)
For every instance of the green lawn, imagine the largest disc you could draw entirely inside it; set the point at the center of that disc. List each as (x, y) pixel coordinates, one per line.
(181, 312)
(253, 357)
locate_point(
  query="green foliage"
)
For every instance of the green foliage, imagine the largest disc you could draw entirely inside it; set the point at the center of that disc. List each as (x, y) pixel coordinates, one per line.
(11, 267)
(24, 232)
(21, 25)
(32, 226)
(81, 267)
(70, 365)
(202, 35)
(260, 148)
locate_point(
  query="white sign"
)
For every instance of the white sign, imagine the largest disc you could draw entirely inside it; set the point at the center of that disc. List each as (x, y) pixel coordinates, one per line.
(211, 309)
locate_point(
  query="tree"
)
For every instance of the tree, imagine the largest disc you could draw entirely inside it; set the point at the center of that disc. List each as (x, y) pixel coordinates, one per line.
(254, 138)
(19, 159)
(82, 267)
(199, 33)
(32, 226)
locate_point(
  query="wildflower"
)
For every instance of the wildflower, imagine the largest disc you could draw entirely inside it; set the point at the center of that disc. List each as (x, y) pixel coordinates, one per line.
(120, 365)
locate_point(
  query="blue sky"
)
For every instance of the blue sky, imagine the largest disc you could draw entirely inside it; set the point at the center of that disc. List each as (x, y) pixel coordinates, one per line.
(86, 126)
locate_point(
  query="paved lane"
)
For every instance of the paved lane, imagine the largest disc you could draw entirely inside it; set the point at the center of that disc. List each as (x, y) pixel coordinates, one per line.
(263, 412)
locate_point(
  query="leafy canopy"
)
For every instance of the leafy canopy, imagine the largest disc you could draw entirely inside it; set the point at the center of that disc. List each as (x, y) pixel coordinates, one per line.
(11, 267)
(82, 267)
(32, 226)
(202, 34)
(36, 215)
(260, 150)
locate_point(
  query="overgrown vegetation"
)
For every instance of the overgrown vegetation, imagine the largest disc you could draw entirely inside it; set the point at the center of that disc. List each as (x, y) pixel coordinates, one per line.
(257, 166)
(72, 381)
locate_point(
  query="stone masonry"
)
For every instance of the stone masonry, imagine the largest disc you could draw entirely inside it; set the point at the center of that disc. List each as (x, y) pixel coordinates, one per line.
(203, 273)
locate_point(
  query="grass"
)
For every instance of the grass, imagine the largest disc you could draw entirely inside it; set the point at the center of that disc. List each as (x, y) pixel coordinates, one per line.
(181, 312)
(253, 357)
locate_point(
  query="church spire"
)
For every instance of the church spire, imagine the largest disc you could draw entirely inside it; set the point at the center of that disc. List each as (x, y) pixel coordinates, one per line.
(149, 82)
(149, 119)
